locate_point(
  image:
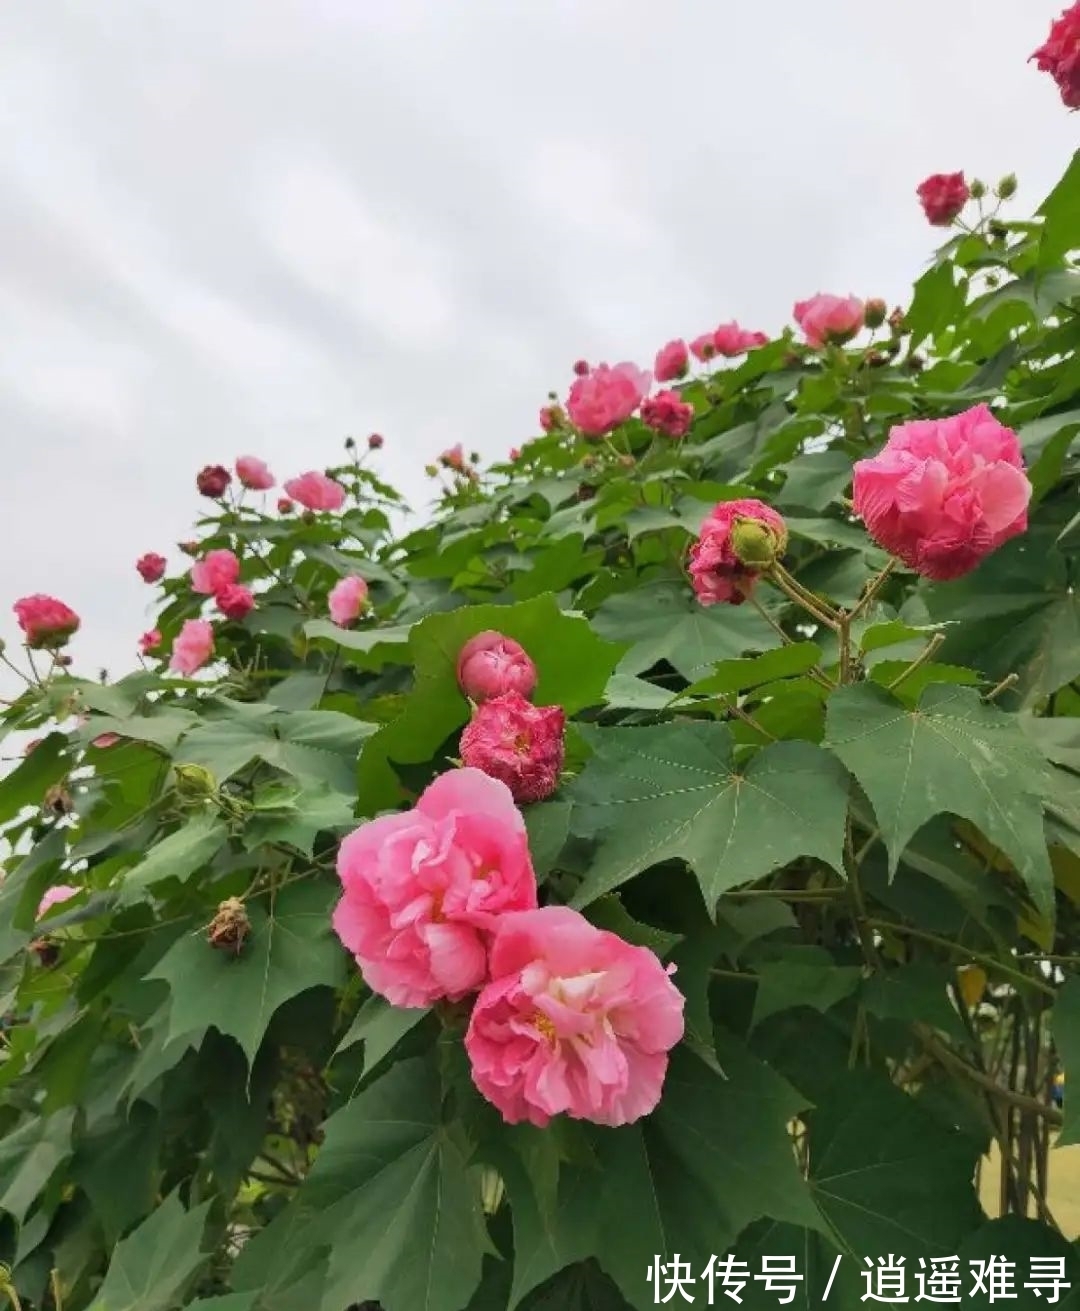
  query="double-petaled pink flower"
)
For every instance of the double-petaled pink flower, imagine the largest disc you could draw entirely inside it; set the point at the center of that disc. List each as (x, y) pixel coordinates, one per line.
(518, 743)
(607, 396)
(235, 600)
(45, 621)
(666, 412)
(423, 890)
(574, 1021)
(315, 491)
(491, 664)
(944, 493)
(254, 473)
(150, 641)
(347, 600)
(738, 542)
(1059, 55)
(151, 567)
(672, 361)
(214, 572)
(943, 196)
(729, 339)
(193, 647)
(829, 320)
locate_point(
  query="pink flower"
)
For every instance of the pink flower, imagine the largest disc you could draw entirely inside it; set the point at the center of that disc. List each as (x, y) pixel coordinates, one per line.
(453, 457)
(54, 896)
(32, 745)
(104, 740)
(703, 347)
(348, 597)
(423, 890)
(551, 417)
(829, 320)
(672, 361)
(739, 540)
(193, 647)
(214, 572)
(235, 600)
(315, 491)
(667, 413)
(519, 743)
(515, 454)
(254, 473)
(1059, 55)
(151, 567)
(944, 493)
(150, 641)
(213, 480)
(490, 665)
(729, 339)
(943, 196)
(606, 397)
(574, 1021)
(45, 621)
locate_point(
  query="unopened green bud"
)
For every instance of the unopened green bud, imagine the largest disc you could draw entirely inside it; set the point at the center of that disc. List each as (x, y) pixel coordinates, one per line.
(194, 782)
(755, 544)
(874, 312)
(1007, 186)
(977, 189)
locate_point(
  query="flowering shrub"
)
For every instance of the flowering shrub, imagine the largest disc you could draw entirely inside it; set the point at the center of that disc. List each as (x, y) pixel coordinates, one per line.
(667, 855)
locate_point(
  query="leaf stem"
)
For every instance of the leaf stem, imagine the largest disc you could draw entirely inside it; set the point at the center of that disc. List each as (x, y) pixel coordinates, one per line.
(920, 660)
(991, 962)
(947, 1057)
(1009, 681)
(871, 590)
(820, 610)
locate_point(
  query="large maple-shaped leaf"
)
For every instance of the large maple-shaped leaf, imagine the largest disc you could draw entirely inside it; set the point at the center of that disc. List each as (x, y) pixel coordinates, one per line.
(153, 1265)
(714, 1157)
(665, 621)
(952, 754)
(573, 665)
(291, 948)
(672, 790)
(390, 1198)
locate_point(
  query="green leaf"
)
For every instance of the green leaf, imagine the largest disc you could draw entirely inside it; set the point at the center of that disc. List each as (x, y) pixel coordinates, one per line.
(391, 1198)
(888, 1176)
(738, 675)
(28, 782)
(1015, 1240)
(380, 1027)
(917, 991)
(713, 1157)
(1061, 217)
(299, 820)
(937, 303)
(21, 890)
(178, 856)
(29, 1156)
(673, 791)
(153, 1266)
(117, 1168)
(291, 948)
(378, 646)
(572, 662)
(811, 978)
(1065, 1022)
(953, 754)
(815, 480)
(548, 826)
(664, 621)
(311, 745)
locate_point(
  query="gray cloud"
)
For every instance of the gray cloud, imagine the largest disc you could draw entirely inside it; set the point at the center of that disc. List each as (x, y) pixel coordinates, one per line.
(261, 225)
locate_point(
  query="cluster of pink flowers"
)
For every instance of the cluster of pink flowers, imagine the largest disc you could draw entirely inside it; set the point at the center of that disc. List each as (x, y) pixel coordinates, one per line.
(217, 575)
(943, 196)
(508, 737)
(441, 903)
(1059, 55)
(738, 542)
(944, 493)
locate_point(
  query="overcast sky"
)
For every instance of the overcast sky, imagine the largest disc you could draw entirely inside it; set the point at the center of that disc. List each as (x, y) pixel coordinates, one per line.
(256, 226)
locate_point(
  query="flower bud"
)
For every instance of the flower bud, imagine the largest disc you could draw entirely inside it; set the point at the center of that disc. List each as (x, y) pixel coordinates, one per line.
(1007, 186)
(58, 800)
(756, 544)
(977, 189)
(581, 367)
(284, 505)
(876, 310)
(194, 783)
(626, 461)
(350, 443)
(189, 548)
(213, 480)
(375, 441)
(491, 664)
(896, 322)
(229, 927)
(431, 470)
